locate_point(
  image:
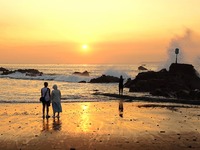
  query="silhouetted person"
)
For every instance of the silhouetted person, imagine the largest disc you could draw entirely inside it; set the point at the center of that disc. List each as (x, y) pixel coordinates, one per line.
(121, 108)
(45, 92)
(121, 85)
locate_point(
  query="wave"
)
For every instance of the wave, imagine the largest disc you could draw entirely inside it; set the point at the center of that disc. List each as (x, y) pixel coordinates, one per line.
(64, 78)
(116, 73)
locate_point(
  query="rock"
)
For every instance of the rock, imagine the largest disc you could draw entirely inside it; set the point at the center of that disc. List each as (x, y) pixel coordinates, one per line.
(28, 72)
(128, 83)
(182, 69)
(3, 69)
(7, 72)
(105, 79)
(183, 94)
(96, 90)
(85, 73)
(160, 92)
(82, 82)
(195, 94)
(187, 74)
(180, 81)
(163, 70)
(142, 68)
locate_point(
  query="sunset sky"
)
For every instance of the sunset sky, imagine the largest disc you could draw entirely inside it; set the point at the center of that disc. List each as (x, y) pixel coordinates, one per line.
(91, 31)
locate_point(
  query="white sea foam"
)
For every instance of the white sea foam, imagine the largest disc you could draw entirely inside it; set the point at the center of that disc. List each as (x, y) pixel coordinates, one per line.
(72, 78)
(20, 88)
(116, 73)
(64, 78)
(189, 45)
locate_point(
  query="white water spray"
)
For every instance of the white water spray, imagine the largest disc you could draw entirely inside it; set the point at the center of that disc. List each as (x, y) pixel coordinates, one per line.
(189, 49)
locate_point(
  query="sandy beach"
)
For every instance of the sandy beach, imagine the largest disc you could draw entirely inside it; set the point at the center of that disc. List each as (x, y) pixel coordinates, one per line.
(100, 125)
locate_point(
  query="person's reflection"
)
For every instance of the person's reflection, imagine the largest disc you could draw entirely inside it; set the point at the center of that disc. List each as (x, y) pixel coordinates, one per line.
(57, 124)
(45, 126)
(121, 108)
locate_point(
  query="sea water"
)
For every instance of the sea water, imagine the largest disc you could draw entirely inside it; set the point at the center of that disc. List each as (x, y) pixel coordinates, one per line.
(20, 88)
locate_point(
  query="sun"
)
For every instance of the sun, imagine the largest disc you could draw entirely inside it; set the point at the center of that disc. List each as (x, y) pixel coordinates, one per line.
(84, 46)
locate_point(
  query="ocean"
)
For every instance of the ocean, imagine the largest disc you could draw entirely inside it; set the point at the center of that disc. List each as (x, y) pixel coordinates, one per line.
(19, 88)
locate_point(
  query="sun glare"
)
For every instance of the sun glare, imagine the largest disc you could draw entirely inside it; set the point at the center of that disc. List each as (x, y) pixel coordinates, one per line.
(84, 46)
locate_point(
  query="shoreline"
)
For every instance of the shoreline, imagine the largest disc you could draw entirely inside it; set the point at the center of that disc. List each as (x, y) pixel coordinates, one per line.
(117, 97)
(100, 125)
(128, 98)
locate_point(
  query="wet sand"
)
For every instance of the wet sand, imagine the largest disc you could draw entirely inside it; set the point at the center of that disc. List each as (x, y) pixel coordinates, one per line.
(148, 98)
(100, 125)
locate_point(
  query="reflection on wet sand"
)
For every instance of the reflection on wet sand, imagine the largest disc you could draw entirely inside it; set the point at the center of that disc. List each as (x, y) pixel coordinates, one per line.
(121, 108)
(98, 125)
(45, 124)
(56, 125)
(84, 118)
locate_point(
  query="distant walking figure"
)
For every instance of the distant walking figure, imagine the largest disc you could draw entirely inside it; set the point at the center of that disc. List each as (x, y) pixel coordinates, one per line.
(45, 92)
(56, 101)
(121, 85)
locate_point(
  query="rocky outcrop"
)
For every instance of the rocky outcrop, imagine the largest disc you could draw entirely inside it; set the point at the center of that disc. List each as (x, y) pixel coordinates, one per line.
(128, 83)
(28, 72)
(3, 69)
(85, 73)
(142, 68)
(180, 81)
(105, 79)
(82, 82)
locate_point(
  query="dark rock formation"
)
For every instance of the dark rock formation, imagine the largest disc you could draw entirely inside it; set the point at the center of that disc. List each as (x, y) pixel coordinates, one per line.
(28, 72)
(82, 82)
(105, 79)
(195, 94)
(3, 69)
(179, 82)
(85, 73)
(7, 72)
(160, 92)
(142, 68)
(128, 83)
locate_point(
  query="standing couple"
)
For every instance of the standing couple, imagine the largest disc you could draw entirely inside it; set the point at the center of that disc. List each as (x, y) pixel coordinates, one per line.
(54, 97)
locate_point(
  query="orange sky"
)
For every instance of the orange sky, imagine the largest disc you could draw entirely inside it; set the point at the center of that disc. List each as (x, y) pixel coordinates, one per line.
(129, 31)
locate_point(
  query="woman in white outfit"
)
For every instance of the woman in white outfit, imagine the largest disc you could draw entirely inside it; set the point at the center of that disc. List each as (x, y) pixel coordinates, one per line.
(56, 101)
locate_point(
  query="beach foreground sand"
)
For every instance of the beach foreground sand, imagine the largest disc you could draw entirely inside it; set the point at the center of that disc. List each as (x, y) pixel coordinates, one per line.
(99, 125)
